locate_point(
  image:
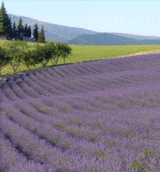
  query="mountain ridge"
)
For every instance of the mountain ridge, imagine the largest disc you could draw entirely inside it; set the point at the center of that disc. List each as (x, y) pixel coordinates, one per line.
(109, 39)
(53, 32)
(70, 35)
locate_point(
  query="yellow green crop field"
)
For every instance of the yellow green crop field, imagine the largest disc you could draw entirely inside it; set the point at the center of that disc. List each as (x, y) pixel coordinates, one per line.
(82, 53)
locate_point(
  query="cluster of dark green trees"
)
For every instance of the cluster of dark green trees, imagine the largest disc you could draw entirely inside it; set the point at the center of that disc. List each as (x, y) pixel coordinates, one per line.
(18, 52)
(18, 32)
(39, 37)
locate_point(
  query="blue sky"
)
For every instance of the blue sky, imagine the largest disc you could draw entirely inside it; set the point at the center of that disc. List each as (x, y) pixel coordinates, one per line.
(141, 17)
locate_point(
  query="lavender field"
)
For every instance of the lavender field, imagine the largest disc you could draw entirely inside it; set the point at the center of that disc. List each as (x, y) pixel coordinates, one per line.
(100, 116)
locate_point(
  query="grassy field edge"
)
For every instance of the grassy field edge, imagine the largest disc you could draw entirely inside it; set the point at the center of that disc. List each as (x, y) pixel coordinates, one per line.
(83, 53)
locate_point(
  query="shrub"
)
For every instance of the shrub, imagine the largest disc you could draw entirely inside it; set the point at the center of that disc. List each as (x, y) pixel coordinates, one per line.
(4, 59)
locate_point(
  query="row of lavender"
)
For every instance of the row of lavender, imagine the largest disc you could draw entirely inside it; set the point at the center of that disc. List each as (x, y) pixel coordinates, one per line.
(54, 136)
(96, 119)
(81, 78)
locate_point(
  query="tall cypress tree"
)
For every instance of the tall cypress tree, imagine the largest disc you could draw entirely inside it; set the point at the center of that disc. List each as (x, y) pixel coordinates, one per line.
(5, 22)
(25, 30)
(10, 28)
(2, 27)
(35, 32)
(41, 37)
(20, 28)
(14, 30)
(29, 32)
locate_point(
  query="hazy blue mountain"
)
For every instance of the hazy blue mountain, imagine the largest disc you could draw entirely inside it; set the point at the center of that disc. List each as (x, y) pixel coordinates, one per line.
(140, 37)
(109, 39)
(52, 32)
(77, 36)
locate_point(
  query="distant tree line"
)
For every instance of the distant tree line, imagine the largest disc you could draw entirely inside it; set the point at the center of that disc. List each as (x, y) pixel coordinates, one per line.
(19, 31)
(18, 52)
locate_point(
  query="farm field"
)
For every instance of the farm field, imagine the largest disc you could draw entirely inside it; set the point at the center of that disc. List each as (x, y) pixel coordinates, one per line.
(96, 116)
(81, 53)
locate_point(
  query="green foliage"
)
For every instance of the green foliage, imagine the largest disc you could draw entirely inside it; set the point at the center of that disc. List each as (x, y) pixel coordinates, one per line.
(14, 30)
(5, 22)
(41, 37)
(25, 30)
(15, 52)
(20, 28)
(4, 59)
(50, 51)
(29, 32)
(29, 58)
(19, 31)
(59, 51)
(45, 53)
(35, 32)
(66, 51)
(6, 26)
(38, 54)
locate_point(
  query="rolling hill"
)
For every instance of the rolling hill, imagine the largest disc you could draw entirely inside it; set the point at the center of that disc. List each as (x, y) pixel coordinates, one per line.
(139, 37)
(111, 39)
(80, 36)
